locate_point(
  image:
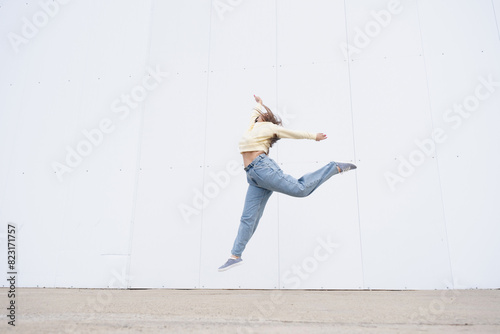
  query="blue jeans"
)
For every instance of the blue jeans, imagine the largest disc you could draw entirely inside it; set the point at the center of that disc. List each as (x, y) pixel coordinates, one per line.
(264, 176)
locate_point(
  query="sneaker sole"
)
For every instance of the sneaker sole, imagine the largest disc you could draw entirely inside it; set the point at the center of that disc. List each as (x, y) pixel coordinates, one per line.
(231, 266)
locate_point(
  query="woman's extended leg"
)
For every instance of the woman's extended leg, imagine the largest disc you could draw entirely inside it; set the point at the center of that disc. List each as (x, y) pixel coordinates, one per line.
(274, 179)
(255, 202)
(265, 177)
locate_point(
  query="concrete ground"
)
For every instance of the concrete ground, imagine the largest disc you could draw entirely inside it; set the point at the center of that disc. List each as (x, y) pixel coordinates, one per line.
(252, 311)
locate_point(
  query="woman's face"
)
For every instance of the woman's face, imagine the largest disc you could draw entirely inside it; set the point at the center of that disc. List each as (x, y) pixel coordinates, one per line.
(260, 119)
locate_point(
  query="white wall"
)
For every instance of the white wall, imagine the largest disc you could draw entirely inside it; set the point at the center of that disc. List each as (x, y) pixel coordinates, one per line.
(115, 219)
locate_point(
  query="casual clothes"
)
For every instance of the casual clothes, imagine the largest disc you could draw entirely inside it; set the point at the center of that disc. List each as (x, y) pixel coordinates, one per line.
(258, 135)
(264, 176)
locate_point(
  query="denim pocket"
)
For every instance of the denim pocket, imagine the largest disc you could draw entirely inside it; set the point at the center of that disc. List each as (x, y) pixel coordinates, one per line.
(251, 180)
(263, 171)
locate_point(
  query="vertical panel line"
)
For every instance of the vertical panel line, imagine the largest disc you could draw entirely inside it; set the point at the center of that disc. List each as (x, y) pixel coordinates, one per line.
(138, 159)
(354, 145)
(277, 152)
(496, 19)
(436, 152)
(205, 140)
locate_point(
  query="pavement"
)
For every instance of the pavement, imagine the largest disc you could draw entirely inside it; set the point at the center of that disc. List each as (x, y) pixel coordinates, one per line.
(42, 310)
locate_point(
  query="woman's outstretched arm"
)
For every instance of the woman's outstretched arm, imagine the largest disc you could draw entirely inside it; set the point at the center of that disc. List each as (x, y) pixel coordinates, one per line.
(285, 133)
(293, 134)
(256, 111)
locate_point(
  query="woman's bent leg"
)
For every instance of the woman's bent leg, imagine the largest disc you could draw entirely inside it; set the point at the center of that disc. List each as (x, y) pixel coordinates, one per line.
(255, 202)
(275, 180)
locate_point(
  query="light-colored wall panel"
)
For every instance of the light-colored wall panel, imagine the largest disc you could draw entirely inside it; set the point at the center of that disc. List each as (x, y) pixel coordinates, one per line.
(321, 42)
(169, 205)
(116, 219)
(382, 29)
(90, 270)
(39, 223)
(90, 211)
(90, 207)
(457, 27)
(403, 233)
(243, 36)
(167, 227)
(315, 98)
(472, 220)
(180, 35)
(175, 122)
(496, 6)
(391, 111)
(390, 106)
(465, 97)
(319, 234)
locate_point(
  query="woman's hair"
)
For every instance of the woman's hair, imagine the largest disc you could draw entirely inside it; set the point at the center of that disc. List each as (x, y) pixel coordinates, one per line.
(271, 117)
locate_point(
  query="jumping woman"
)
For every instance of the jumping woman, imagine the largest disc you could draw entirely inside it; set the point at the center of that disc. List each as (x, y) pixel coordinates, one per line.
(264, 176)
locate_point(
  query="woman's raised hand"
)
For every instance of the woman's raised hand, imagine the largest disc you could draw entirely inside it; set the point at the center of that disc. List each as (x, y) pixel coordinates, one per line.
(320, 136)
(258, 99)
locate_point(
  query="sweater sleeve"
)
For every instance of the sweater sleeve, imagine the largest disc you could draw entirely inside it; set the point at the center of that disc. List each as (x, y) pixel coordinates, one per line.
(287, 133)
(254, 115)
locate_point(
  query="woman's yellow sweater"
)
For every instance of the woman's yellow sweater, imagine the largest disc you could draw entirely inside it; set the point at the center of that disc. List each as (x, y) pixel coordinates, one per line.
(258, 135)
